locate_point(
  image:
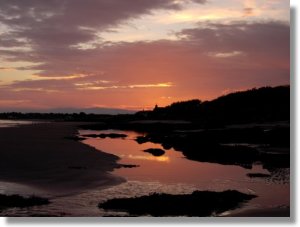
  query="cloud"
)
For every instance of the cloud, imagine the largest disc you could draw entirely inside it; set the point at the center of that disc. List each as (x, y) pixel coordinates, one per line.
(248, 11)
(38, 31)
(257, 38)
(62, 23)
(75, 83)
(225, 54)
(258, 47)
(202, 62)
(12, 102)
(90, 86)
(6, 69)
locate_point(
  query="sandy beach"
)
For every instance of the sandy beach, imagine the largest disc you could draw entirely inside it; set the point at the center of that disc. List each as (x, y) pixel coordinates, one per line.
(39, 155)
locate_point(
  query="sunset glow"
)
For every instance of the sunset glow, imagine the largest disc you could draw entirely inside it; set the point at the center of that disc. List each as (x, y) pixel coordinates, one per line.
(135, 54)
(150, 158)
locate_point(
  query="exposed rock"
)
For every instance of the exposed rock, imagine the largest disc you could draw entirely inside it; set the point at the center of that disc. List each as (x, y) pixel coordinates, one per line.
(155, 151)
(8, 201)
(262, 175)
(128, 166)
(199, 203)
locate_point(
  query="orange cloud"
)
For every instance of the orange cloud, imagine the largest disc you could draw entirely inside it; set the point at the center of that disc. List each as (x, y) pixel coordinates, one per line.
(90, 86)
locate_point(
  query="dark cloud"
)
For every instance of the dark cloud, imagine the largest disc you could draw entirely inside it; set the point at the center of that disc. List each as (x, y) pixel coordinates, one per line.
(265, 38)
(67, 22)
(51, 28)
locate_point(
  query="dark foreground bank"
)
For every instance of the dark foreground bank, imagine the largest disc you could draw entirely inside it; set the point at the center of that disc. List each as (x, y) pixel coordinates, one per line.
(8, 201)
(41, 156)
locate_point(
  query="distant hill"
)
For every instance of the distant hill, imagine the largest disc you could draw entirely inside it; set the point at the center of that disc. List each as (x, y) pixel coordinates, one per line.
(255, 105)
(95, 110)
(266, 104)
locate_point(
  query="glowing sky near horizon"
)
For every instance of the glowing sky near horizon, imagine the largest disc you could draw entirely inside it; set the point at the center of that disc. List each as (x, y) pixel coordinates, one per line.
(134, 54)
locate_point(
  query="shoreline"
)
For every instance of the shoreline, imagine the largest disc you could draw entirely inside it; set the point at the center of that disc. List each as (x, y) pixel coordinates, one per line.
(279, 211)
(44, 157)
(40, 155)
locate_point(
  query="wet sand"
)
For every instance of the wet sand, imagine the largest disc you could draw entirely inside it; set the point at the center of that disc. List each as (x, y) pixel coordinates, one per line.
(40, 155)
(260, 212)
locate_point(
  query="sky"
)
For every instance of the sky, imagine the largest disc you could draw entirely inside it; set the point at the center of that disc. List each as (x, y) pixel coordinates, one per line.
(134, 54)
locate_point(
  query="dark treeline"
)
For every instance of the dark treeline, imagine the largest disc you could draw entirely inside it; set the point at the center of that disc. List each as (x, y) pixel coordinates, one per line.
(54, 116)
(265, 104)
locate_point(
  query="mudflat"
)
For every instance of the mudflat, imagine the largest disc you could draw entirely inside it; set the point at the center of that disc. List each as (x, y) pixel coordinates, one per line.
(42, 155)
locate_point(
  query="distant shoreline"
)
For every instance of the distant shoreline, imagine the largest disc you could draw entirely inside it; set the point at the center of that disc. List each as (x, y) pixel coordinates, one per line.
(41, 155)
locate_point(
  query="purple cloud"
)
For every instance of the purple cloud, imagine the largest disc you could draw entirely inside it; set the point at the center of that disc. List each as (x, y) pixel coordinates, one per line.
(256, 52)
(203, 62)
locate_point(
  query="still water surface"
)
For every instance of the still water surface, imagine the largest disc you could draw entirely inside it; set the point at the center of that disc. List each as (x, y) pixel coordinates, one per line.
(13, 123)
(170, 173)
(174, 168)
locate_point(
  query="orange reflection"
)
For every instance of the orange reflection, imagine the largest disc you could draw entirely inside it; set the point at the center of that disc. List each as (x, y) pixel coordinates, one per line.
(173, 168)
(150, 158)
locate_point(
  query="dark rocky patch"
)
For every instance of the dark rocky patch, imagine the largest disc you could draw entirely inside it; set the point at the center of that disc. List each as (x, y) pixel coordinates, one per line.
(107, 135)
(155, 151)
(141, 139)
(128, 166)
(260, 175)
(91, 135)
(199, 203)
(204, 148)
(228, 146)
(9, 201)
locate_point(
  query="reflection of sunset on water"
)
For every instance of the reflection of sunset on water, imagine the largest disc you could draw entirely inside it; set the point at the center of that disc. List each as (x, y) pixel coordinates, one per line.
(174, 168)
(150, 158)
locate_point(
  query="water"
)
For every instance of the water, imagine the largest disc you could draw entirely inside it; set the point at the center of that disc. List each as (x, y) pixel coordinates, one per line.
(174, 168)
(170, 173)
(13, 123)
